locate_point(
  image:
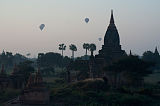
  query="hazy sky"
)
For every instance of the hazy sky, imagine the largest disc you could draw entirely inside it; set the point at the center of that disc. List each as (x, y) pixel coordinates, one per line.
(138, 22)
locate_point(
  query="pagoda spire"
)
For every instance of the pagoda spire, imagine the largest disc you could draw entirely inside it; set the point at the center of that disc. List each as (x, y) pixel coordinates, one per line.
(15, 69)
(156, 51)
(112, 18)
(112, 36)
(30, 81)
(38, 78)
(130, 53)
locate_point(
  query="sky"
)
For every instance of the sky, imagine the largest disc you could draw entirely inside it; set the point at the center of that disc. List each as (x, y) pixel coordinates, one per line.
(137, 22)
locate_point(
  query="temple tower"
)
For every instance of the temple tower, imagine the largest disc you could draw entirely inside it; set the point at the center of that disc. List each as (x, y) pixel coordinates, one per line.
(156, 52)
(111, 50)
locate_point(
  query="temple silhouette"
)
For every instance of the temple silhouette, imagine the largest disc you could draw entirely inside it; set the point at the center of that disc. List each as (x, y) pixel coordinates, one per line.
(35, 92)
(111, 50)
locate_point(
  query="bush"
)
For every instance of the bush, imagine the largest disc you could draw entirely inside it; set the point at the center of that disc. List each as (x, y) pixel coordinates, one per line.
(96, 93)
(128, 100)
(8, 94)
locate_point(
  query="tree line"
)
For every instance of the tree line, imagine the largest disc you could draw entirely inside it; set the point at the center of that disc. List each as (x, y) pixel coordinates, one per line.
(91, 47)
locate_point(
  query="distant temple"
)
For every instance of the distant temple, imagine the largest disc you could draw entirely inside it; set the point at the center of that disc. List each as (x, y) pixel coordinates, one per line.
(35, 92)
(17, 80)
(111, 50)
(156, 53)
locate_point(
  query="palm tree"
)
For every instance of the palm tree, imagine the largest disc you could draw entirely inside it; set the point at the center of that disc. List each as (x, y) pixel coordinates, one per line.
(86, 46)
(73, 48)
(92, 48)
(62, 47)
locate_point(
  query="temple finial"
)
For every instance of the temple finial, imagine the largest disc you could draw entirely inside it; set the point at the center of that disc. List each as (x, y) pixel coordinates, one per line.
(112, 18)
(156, 51)
(112, 11)
(130, 53)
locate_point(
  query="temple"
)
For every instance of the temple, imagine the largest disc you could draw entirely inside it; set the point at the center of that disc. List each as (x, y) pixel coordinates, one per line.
(35, 92)
(156, 53)
(111, 50)
(17, 79)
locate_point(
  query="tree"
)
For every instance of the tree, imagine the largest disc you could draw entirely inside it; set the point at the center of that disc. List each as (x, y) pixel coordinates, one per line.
(148, 56)
(80, 67)
(92, 48)
(86, 46)
(129, 70)
(8, 59)
(73, 48)
(48, 71)
(62, 47)
(52, 59)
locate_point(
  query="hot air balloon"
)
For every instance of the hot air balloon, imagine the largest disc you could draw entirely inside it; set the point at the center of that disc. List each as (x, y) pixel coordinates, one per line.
(86, 20)
(99, 39)
(41, 27)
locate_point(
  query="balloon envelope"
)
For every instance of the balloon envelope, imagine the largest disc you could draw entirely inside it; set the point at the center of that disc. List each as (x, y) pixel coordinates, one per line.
(99, 39)
(41, 27)
(86, 20)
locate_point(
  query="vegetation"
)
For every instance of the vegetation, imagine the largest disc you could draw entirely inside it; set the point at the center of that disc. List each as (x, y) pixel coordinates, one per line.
(129, 70)
(25, 68)
(81, 67)
(51, 59)
(73, 48)
(92, 48)
(8, 94)
(86, 47)
(84, 91)
(9, 60)
(62, 47)
(96, 92)
(152, 57)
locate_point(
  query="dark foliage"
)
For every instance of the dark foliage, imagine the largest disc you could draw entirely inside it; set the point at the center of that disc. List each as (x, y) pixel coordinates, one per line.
(82, 67)
(129, 68)
(96, 93)
(52, 59)
(152, 57)
(48, 71)
(25, 68)
(8, 59)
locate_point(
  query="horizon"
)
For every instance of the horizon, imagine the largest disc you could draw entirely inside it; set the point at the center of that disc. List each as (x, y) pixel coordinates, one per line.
(137, 23)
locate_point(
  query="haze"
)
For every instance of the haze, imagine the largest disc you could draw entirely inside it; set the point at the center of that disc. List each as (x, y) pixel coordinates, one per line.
(137, 22)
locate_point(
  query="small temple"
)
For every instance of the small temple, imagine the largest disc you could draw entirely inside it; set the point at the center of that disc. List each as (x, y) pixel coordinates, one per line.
(16, 79)
(156, 53)
(35, 92)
